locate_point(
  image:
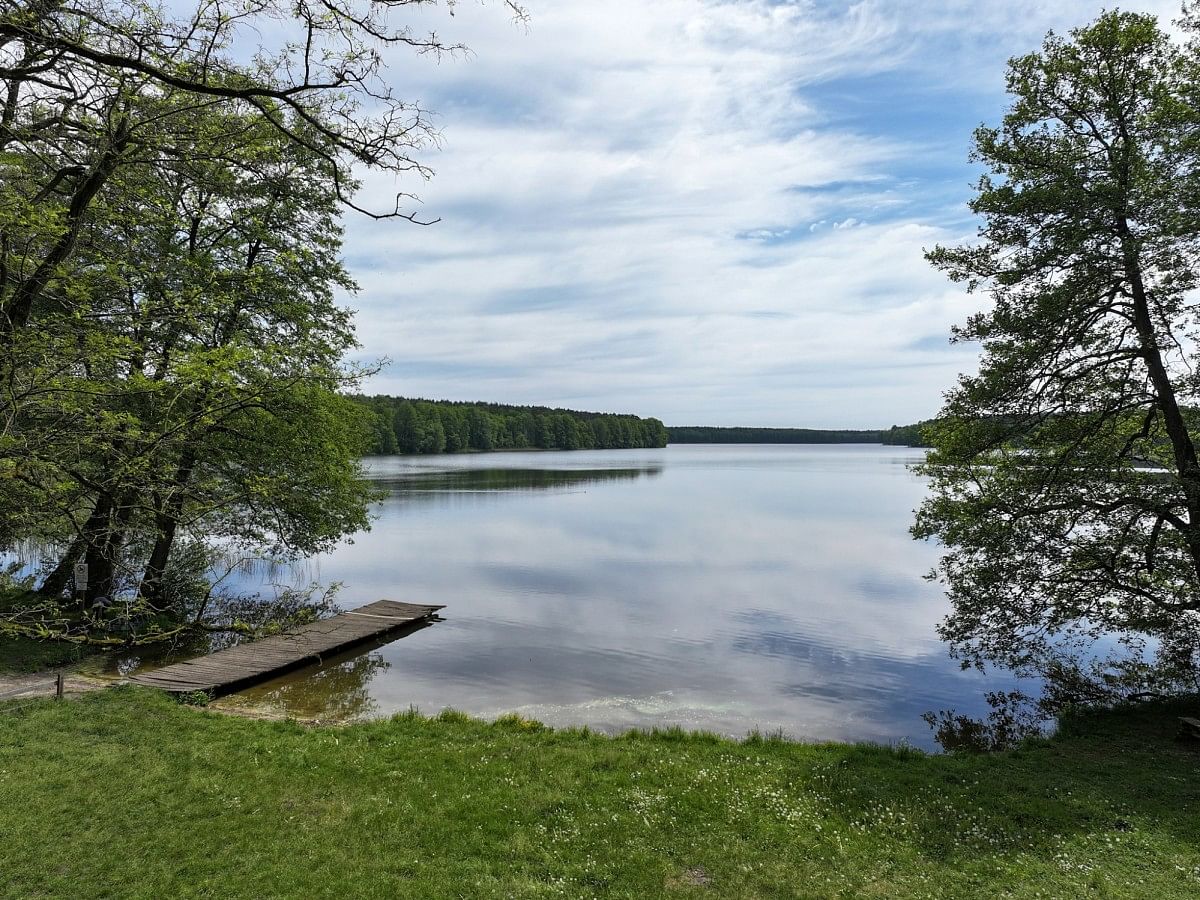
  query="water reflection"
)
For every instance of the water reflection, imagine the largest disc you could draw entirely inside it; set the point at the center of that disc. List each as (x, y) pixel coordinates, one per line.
(338, 688)
(714, 587)
(425, 485)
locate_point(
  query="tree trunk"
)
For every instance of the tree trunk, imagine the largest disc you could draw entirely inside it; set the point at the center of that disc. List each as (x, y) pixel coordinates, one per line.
(1187, 467)
(103, 553)
(56, 582)
(15, 313)
(151, 588)
(97, 522)
(166, 523)
(60, 576)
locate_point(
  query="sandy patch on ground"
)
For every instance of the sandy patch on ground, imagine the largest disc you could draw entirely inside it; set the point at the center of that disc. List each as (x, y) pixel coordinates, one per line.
(43, 684)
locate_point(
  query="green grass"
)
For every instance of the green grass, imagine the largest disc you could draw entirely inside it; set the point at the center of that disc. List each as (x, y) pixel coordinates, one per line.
(126, 793)
(20, 656)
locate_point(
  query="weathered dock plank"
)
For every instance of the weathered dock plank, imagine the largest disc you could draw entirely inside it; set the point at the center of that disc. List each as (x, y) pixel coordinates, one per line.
(246, 664)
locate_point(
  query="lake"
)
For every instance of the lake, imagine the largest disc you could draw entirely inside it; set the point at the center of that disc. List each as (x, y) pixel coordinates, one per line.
(722, 587)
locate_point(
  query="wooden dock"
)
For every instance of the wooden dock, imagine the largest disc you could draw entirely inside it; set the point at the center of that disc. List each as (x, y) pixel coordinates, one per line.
(246, 664)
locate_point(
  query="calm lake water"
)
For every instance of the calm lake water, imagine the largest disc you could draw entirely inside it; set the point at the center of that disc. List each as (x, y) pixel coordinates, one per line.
(716, 587)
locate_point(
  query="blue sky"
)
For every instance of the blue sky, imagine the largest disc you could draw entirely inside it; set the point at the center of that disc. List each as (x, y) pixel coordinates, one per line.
(709, 212)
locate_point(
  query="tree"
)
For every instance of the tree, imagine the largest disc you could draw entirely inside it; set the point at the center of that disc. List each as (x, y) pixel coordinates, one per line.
(95, 92)
(320, 83)
(431, 436)
(383, 440)
(170, 349)
(1065, 478)
(407, 428)
(479, 424)
(96, 98)
(454, 427)
(196, 383)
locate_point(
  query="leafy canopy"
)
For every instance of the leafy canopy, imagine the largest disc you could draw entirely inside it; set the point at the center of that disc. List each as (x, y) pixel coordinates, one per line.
(1065, 480)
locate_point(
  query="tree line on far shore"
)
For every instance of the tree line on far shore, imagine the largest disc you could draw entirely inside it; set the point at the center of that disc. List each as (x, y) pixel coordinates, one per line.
(900, 435)
(402, 425)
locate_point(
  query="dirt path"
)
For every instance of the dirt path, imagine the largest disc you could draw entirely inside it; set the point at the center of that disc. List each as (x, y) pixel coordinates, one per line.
(43, 684)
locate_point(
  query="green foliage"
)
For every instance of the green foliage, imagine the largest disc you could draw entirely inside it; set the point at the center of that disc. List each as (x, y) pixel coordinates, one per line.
(1066, 485)
(319, 83)
(916, 435)
(192, 384)
(179, 801)
(170, 346)
(444, 426)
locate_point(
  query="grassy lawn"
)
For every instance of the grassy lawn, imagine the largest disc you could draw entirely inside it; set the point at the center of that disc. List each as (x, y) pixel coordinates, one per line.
(19, 656)
(127, 793)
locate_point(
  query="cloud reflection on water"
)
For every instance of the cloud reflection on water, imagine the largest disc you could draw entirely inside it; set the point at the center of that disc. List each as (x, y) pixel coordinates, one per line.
(716, 587)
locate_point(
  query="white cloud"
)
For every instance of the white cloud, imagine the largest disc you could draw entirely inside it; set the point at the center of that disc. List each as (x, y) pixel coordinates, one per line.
(657, 208)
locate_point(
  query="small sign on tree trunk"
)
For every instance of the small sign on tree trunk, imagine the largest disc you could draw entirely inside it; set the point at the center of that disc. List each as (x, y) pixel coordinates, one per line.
(81, 576)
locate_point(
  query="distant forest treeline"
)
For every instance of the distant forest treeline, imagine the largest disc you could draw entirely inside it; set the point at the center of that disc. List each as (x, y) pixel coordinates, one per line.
(401, 425)
(902, 435)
